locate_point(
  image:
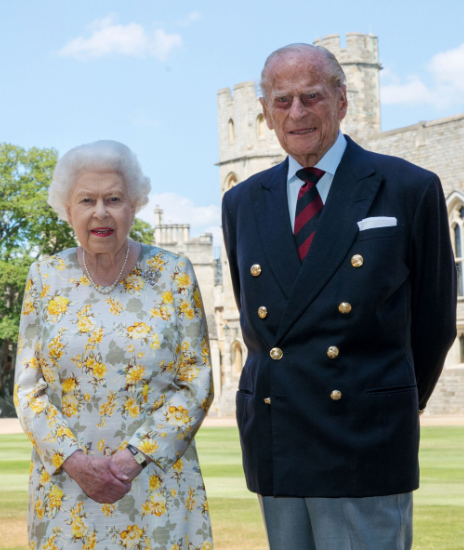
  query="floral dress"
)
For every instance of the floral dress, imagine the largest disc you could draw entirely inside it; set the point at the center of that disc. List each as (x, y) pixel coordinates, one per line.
(97, 372)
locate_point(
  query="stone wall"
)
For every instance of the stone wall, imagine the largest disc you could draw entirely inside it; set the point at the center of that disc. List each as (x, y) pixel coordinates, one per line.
(437, 145)
(448, 397)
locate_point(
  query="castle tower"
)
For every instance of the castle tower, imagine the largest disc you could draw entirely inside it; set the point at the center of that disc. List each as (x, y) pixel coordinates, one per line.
(360, 61)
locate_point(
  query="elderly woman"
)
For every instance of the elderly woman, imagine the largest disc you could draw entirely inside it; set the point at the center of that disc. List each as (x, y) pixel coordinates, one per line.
(113, 373)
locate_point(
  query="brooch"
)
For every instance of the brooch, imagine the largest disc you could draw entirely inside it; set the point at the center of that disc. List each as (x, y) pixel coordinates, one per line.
(151, 276)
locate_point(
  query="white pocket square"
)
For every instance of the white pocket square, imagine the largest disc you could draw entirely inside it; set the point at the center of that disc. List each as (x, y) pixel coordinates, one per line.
(378, 221)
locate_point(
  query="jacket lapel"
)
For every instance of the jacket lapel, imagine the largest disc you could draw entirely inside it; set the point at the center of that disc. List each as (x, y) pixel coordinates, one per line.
(270, 205)
(352, 192)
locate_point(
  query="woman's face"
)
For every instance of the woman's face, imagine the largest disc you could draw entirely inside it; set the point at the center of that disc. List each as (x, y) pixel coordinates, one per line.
(100, 212)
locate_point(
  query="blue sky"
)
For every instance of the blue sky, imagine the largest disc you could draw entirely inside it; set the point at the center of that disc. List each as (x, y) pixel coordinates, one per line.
(147, 73)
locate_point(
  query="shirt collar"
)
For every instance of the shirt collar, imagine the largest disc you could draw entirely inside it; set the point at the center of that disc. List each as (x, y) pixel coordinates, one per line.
(329, 162)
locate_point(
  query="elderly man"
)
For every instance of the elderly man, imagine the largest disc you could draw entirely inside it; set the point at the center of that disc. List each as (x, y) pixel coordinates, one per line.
(344, 277)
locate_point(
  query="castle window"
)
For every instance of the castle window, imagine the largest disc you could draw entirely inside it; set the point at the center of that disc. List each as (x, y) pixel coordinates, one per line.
(237, 358)
(231, 181)
(231, 131)
(261, 126)
(458, 258)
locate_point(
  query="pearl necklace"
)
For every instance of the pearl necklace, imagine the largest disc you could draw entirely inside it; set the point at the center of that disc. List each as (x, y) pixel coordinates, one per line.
(105, 289)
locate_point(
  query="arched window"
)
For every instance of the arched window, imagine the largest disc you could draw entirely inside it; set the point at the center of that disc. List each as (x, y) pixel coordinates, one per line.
(231, 131)
(231, 181)
(261, 127)
(461, 348)
(237, 357)
(458, 258)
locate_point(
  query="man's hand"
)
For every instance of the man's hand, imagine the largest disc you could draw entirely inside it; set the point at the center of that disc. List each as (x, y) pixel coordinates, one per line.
(125, 461)
(100, 478)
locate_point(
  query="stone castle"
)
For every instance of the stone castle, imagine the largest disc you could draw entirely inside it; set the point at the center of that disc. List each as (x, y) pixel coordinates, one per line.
(247, 146)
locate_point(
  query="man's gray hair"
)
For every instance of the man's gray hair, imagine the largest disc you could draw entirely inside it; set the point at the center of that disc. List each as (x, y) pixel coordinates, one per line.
(100, 156)
(335, 73)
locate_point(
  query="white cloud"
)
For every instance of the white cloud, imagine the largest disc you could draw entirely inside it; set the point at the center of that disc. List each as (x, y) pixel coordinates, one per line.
(108, 38)
(446, 70)
(192, 16)
(179, 209)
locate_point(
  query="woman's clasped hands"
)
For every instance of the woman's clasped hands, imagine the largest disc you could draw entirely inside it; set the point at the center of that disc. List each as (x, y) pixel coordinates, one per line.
(105, 480)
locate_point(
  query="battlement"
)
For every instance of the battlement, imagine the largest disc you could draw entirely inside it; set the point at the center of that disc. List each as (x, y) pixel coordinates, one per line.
(360, 48)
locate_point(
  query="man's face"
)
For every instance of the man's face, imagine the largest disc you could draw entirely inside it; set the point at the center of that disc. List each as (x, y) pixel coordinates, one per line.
(302, 107)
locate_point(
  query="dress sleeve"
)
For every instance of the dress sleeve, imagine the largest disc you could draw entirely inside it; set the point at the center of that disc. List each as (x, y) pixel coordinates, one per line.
(41, 420)
(169, 430)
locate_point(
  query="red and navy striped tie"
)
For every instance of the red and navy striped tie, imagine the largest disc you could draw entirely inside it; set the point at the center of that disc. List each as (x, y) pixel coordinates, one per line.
(308, 209)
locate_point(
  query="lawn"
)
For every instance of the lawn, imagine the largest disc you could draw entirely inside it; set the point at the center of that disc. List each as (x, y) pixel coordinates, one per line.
(235, 515)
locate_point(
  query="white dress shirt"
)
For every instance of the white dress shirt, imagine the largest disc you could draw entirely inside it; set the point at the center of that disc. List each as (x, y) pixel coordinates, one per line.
(328, 163)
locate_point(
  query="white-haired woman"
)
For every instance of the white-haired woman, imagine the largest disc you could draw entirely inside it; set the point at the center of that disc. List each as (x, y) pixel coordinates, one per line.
(113, 373)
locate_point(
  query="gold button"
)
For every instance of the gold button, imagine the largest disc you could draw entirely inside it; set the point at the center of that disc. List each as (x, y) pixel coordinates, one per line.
(333, 352)
(262, 312)
(276, 353)
(255, 270)
(267, 400)
(357, 260)
(336, 395)
(344, 307)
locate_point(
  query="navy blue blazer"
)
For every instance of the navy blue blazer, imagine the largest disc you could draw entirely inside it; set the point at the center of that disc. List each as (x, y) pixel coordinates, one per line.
(392, 344)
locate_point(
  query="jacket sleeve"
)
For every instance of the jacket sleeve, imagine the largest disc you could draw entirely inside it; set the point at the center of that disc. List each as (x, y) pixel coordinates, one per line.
(230, 242)
(434, 289)
(41, 420)
(177, 415)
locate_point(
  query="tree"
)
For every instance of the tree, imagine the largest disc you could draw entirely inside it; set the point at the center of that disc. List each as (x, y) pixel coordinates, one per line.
(29, 229)
(141, 232)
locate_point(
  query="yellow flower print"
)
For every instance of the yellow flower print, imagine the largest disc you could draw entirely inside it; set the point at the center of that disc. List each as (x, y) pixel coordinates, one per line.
(32, 545)
(101, 445)
(90, 541)
(84, 281)
(197, 298)
(115, 306)
(56, 346)
(55, 497)
(135, 374)
(28, 306)
(155, 482)
(44, 477)
(155, 343)
(94, 339)
(157, 262)
(47, 372)
(130, 407)
(62, 431)
(185, 346)
(206, 546)
(50, 544)
(155, 506)
(58, 305)
(60, 265)
(178, 416)
(45, 291)
(52, 413)
(69, 385)
(36, 406)
(186, 310)
(39, 509)
(69, 405)
(188, 373)
(131, 536)
(133, 282)
(108, 509)
(85, 324)
(138, 331)
(173, 493)
(178, 466)
(148, 446)
(183, 281)
(175, 547)
(28, 286)
(191, 501)
(130, 348)
(165, 312)
(140, 354)
(167, 297)
(99, 370)
(87, 397)
(78, 527)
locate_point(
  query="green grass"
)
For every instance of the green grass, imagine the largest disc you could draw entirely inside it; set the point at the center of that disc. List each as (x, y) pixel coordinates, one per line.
(235, 514)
